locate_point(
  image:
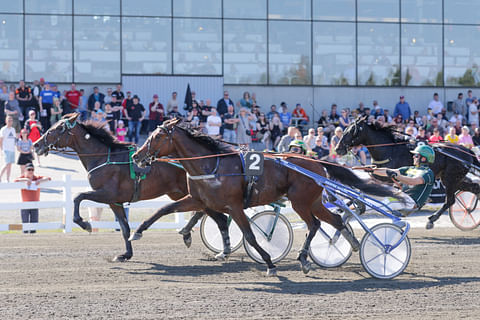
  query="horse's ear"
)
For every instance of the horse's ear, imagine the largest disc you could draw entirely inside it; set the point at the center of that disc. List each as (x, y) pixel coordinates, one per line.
(73, 117)
(171, 123)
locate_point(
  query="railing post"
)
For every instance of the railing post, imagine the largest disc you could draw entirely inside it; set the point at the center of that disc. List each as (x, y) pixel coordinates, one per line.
(67, 199)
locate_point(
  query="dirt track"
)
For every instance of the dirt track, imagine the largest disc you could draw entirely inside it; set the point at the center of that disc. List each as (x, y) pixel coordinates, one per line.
(48, 276)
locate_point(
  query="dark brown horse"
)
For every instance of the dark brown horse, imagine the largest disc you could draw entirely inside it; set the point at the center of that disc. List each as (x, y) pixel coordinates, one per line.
(217, 183)
(107, 161)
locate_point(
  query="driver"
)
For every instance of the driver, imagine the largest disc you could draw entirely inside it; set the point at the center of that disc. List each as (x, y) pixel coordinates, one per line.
(417, 180)
(297, 146)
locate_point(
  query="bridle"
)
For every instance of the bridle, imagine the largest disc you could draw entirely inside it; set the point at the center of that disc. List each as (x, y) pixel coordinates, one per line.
(353, 141)
(67, 126)
(152, 156)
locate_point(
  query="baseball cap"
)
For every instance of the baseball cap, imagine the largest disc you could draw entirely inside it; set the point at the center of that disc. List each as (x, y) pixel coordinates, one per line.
(29, 166)
(42, 79)
(129, 92)
(136, 97)
(155, 96)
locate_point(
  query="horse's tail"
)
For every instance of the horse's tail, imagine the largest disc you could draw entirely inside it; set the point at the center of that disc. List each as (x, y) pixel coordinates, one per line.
(347, 177)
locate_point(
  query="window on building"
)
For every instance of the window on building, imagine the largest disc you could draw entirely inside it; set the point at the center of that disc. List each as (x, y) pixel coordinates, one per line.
(11, 42)
(462, 11)
(378, 10)
(147, 8)
(423, 11)
(246, 9)
(96, 7)
(334, 10)
(197, 8)
(12, 6)
(50, 6)
(289, 9)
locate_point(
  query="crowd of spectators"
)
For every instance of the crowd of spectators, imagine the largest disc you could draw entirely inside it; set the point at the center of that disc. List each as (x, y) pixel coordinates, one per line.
(31, 110)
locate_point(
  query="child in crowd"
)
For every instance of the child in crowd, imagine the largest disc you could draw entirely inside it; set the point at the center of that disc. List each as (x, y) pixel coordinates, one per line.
(121, 131)
(110, 118)
(25, 147)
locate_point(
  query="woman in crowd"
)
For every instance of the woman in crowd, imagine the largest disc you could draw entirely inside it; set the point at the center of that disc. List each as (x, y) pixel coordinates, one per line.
(56, 111)
(344, 119)
(246, 101)
(334, 142)
(465, 139)
(309, 139)
(244, 130)
(263, 131)
(276, 129)
(25, 148)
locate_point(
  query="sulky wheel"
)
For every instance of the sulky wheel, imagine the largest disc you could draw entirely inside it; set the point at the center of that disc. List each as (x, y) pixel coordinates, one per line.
(464, 213)
(212, 238)
(273, 235)
(377, 260)
(329, 249)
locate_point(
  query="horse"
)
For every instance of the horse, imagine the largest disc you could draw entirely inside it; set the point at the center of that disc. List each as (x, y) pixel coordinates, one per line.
(388, 152)
(217, 181)
(107, 161)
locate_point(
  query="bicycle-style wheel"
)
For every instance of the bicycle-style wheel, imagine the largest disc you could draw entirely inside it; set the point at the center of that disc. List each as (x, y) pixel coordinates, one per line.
(330, 249)
(212, 238)
(277, 243)
(464, 213)
(379, 263)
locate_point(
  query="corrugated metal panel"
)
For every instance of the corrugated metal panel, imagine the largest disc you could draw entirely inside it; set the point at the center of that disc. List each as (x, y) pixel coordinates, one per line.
(146, 86)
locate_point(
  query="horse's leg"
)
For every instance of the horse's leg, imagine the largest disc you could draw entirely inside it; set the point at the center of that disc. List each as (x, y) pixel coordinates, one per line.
(322, 213)
(313, 224)
(239, 217)
(451, 183)
(119, 212)
(222, 222)
(186, 231)
(185, 204)
(95, 195)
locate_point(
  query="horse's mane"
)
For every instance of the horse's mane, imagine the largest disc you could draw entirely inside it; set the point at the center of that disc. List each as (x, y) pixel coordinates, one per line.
(216, 146)
(97, 130)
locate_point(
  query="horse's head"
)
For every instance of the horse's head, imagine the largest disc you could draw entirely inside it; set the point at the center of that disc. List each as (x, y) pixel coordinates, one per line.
(158, 144)
(58, 136)
(353, 135)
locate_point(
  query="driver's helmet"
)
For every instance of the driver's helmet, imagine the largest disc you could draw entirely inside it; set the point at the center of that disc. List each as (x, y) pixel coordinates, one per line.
(426, 152)
(297, 146)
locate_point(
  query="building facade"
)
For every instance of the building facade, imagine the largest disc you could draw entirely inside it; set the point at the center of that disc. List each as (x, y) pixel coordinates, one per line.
(309, 51)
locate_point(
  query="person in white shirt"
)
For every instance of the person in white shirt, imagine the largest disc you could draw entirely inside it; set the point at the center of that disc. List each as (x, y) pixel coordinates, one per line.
(8, 139)
(456, 116)
(214, 122)
(473, 110)
(436, 105)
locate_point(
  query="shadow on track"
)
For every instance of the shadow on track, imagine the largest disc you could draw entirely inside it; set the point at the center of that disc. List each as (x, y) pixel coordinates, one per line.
(462, 241)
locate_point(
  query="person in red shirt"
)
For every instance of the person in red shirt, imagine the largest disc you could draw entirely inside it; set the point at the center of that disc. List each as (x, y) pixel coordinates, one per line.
(436, 137)
(300, 115)
(73, 97)
(157, 113)
(30, 193)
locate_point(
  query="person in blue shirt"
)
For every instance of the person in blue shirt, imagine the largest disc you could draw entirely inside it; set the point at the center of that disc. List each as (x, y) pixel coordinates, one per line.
(402, 108)
(45, 102)
(285, 116)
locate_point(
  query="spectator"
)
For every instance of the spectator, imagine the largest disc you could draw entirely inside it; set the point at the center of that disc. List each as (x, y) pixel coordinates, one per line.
(46, 103)
(7, 142)
(418, 119)
(452, 136)
(24, 97)
(378, 111)
(272, 112)
(436, 137)
(205, 112)
(222, 104)
(459, 107)
(156, 115)
(172, 102)
(214, 122)
(108, 97)
(117, 108)
(229, 122)
(193, 118)
(34, 129)
(25, 148)
(30, 193)
(458, 127)
(246, 101)
(285, 116)
(421, 135)
(344, 119)
(12, 109)
(36, 89)
(436, 105)
(469, 98)
(127, 103)
(56, 112)
(96, 96)
(110, 118)
(300, 114)
(121, 131)
(334, 142)
(434, 125)
(263, 130)
(82, 106)
(403, 108)
(334, 118)
(119, 94)
(135, 116)
(286, 139)
(411, 125)
(276, 129)
(73, 98)
(244, 129)
(473, 112)
(323, 121)
(321, 144)
(360, 109)
(309, 139)
(174, 113)
(476, 137)
(456, 117)
(465, 139)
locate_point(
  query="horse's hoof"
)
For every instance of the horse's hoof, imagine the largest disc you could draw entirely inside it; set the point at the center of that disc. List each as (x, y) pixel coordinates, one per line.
(271, 272)
(221, 256)
(429, 225)
(306, 266)
(135, 236)
(88, 227)
(120, 258)
(187, 239)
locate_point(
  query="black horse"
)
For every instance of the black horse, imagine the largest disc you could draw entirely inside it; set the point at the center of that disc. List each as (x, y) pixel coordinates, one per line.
(452, 162)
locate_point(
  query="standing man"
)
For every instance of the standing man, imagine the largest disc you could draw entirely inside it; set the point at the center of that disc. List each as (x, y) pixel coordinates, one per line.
(459, 106)
(157, 114)
(135, 116)
(30, 193)
(24, 96)
(45, 101)
(96, 96)
(436, 105)
(73, 98)
(172, 102)
(229, 121)
(222, 104)
(119, 93)
(8, 138)
(402, 108)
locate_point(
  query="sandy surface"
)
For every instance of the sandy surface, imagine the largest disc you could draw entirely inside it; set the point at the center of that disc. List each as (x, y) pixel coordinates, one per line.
(54, 275)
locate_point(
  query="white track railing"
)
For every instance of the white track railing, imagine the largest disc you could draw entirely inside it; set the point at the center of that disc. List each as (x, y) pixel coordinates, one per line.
(67, 205)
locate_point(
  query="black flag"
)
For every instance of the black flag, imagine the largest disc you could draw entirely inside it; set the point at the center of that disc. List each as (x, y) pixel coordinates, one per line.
(188, 99)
